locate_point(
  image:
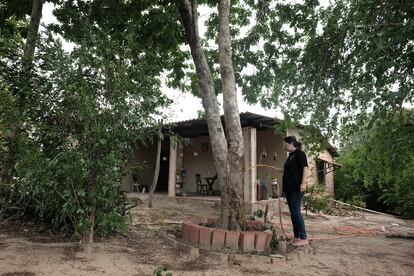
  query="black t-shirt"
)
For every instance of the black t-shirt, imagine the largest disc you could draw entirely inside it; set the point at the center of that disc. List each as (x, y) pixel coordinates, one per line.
(293, 171)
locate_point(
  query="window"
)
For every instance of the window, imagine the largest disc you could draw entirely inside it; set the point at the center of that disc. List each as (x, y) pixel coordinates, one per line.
(321, 170)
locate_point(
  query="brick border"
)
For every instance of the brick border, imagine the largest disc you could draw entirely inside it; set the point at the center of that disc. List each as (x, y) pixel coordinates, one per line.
(196, 233)
(297, 256)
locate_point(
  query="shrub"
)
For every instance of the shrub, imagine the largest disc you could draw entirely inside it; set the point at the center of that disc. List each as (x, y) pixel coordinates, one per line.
(316, 199)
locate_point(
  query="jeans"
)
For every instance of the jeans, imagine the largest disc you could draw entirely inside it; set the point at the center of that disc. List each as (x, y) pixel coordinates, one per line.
(294, 200)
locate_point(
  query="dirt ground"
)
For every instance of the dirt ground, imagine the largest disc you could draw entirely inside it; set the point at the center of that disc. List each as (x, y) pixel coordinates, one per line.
(26, 251)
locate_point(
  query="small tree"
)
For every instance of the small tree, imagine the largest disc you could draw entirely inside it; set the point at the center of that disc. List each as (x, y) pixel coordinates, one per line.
(86, 110)
(87, 113)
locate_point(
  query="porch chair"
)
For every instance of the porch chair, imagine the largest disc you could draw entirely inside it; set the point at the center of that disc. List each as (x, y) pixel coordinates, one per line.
(201, 188)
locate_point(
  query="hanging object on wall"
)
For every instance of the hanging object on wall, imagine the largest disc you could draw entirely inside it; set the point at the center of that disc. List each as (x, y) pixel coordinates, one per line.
(195, 153)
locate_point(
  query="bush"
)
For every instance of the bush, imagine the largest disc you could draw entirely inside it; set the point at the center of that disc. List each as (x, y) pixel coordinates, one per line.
(379, 166)
(316, 199)
(80, 125)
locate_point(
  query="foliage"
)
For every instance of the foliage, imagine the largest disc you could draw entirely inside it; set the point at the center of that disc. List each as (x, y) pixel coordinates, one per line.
(316, 199)
(154, 33)
(162, 271)
(259, 213)
(324, 65)
(346, 187)
(379, 166)
(201, 114)
(86, 110)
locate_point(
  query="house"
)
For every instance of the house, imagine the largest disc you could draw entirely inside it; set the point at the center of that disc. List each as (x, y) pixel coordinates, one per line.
(264, 159)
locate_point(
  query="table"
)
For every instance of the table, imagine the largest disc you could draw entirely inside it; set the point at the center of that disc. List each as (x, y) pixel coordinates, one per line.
(210, 181)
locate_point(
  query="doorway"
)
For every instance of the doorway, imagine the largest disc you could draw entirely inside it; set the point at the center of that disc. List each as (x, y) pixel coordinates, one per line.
(162, 184)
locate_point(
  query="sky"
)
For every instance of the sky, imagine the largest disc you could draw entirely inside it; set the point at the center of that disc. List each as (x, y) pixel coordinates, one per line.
(185, 105)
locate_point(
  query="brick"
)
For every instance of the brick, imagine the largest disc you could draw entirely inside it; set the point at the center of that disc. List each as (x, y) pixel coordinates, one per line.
(247, 241)
(232, 240)
(194, 233)
(186, 231)
(262, 241)
(205, 237)
(191, 250)
(258, 225)
(218, 239)
(282, 247)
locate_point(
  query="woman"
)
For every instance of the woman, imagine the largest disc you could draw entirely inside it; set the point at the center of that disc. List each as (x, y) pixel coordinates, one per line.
(295, 174)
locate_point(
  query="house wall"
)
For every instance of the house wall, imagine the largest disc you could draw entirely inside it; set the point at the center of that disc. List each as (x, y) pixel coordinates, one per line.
(142, 153)
(272, 143)
(202, 164)
(329, 177)
(313, 172)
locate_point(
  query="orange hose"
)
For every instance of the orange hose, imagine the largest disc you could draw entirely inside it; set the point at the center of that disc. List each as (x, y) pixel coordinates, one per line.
(343, 231)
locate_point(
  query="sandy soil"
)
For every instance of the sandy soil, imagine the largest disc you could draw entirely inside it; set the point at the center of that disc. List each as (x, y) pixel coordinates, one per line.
(26, 251)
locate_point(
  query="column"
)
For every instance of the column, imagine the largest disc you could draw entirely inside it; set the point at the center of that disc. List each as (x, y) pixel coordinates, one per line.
(172, 170)
(250, 162)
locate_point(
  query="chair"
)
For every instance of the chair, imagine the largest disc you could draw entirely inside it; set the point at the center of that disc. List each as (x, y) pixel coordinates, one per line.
(201, 188)
(138, 184)
(134, 183)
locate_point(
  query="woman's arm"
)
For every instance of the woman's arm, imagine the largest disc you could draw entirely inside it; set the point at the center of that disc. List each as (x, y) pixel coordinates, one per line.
(304, 179)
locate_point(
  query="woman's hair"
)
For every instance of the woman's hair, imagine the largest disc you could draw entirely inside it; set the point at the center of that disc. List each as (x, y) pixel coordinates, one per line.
(292, 140)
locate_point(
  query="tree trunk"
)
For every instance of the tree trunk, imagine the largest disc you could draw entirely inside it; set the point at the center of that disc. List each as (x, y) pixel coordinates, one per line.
(29, 49)
(10, 157)
(235, 157)
(87, 236)
(30, 45)
(225, 163)
(156, 173)
(218, 141)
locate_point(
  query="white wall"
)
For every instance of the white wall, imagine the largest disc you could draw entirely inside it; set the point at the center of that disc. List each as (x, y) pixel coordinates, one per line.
(273, 143)
(142, 153)
(202, 164)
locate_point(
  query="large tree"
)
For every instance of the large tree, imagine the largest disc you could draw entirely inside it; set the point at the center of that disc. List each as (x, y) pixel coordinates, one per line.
(227, 147)
(156, 23)
(346, 63)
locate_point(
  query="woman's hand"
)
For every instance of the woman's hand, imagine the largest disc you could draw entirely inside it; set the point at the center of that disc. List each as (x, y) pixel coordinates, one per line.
(302, 187)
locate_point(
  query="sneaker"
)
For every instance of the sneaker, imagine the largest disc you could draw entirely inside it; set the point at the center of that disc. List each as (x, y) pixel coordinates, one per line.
(296, 239)
(300, 243)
